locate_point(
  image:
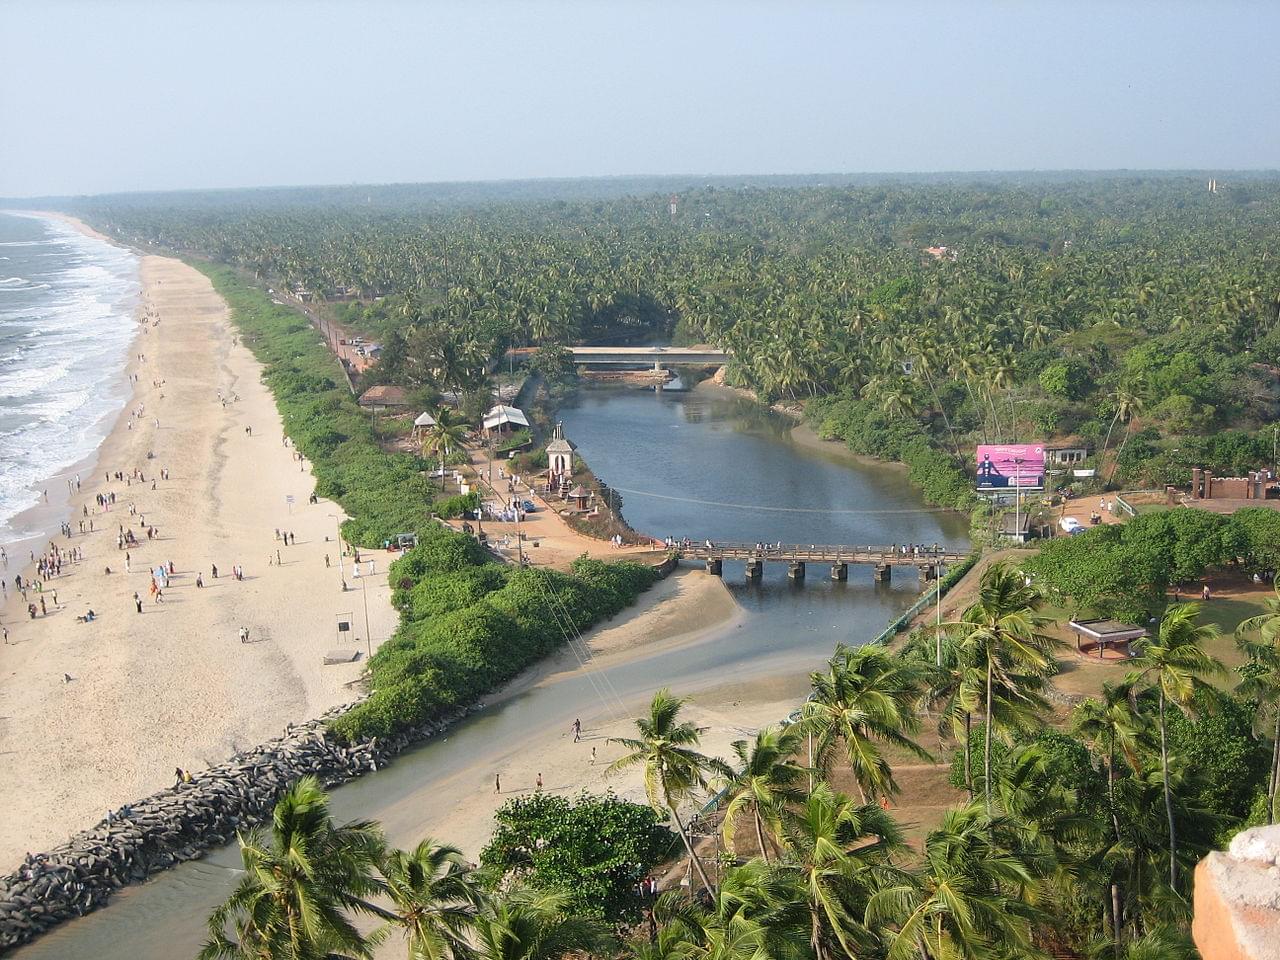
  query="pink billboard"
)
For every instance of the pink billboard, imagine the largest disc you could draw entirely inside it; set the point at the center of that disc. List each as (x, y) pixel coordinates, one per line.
(1010, 465)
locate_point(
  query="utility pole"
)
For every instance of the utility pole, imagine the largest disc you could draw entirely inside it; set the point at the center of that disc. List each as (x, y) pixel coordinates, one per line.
(1017, 497)
(364, 592)
(937, 633)
(341, 571)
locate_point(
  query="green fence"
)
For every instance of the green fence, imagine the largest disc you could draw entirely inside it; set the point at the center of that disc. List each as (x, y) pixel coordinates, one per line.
(939, 589)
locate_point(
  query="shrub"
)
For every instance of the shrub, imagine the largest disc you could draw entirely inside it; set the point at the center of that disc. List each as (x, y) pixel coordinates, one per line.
(594, 849)
(467, 624)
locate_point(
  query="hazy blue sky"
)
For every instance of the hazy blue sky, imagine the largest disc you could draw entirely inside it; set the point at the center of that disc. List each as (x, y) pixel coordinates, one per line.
(130, 96)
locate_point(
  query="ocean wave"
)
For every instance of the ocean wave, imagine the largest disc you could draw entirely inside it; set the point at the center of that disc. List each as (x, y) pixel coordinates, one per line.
(62, 358)
(22, 283)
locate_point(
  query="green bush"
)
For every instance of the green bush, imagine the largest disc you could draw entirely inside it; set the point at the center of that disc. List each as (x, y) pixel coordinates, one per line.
(594, 849)
(866, 429)
(467, 624)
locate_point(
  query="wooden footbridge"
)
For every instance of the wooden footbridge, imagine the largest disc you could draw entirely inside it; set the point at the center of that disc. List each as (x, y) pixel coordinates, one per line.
(926, 558)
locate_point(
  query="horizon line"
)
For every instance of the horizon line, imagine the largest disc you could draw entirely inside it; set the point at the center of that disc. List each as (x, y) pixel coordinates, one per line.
(494, 181)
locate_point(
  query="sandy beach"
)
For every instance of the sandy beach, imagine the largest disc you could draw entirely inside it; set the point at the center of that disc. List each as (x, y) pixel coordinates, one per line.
(173, 686)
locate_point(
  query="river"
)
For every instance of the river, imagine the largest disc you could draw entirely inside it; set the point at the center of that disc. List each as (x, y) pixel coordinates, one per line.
(702, 464)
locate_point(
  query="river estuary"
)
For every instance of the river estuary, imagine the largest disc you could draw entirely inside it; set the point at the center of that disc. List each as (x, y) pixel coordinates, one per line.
(702, 464)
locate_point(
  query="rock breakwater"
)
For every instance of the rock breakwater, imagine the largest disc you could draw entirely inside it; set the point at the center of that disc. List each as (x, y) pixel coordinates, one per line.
(183, 822)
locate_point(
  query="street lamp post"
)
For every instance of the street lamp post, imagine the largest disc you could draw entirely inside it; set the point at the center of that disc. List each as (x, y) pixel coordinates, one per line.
(341, 570)
(937, 631)
(364, 593)
(1017, 497)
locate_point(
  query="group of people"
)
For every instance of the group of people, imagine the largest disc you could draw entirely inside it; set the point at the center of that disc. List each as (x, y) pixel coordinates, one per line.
(916, 549)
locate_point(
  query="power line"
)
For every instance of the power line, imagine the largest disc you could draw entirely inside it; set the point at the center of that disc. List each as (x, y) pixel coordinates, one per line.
(769, 509)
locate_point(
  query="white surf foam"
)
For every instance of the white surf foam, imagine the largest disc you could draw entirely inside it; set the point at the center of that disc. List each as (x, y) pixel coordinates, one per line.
(61, 383)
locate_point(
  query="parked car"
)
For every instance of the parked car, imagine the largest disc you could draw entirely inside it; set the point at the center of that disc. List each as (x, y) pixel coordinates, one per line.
(528, 506)
(1071, 525)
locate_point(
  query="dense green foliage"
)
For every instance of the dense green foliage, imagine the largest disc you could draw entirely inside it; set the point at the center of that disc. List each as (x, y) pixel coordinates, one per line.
(592, 849)
(1108, 308)
(867, 429)
(1124, 571)
(466, 624)
(384, 494)
(1070, 853)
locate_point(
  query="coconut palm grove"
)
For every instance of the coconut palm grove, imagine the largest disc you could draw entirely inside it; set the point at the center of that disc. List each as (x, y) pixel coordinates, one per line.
(1134, 316)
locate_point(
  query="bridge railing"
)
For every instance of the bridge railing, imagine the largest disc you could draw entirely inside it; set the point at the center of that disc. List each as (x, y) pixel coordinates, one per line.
(716, 549)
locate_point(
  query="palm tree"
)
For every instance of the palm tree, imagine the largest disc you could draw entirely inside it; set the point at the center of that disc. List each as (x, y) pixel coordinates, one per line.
(673, 769)
(297, 884)
(954, 690)
(999, 633)
(838, 852)
(527, 924)
(756, 912)
(973, 899)
(1174, 665)
(1260, 684)
(447, 431)
(1110, 726)
(765, 784)
(1267, 624)
(435, 899)
(866, 696)
(1126, 403)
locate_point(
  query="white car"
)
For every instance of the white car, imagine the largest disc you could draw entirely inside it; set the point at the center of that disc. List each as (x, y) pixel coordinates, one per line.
(1071, 525)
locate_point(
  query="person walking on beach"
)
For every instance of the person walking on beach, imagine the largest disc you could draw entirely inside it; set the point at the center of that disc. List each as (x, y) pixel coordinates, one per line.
(593, 756)
(214, 570)
(137, 601)
(539, 786)
(199, 580)
(497, 783)
(577, 730)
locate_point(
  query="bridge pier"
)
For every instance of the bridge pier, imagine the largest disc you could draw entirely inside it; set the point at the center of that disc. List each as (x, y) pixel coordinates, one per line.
(840, 572)
(928, 572)
(883, 572)
(795, 570)
(755, 570)
(713, 566)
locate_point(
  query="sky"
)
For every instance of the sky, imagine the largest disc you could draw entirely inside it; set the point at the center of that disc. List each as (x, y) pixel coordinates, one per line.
(120, 96)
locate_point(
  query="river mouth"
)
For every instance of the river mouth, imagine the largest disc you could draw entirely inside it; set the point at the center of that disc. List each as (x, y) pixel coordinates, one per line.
(702, 464)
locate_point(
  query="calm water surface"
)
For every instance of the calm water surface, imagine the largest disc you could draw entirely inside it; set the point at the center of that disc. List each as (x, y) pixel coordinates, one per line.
(701, 464)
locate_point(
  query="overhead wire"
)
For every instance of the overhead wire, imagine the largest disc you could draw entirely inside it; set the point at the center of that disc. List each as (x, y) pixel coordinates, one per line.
(756, 507)
(599, 679)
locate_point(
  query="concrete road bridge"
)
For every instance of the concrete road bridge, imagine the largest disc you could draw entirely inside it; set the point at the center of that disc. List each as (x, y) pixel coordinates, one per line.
(927, 559)
(659, 356)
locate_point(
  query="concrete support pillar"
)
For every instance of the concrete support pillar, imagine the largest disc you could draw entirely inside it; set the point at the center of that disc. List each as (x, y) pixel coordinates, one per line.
(927, 572)
(713, 566)
(840, 572)
(883, 572)
(795, 570)
(755, 570)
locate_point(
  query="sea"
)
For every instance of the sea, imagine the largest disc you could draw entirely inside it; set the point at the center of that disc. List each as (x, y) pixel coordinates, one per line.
(68, 314)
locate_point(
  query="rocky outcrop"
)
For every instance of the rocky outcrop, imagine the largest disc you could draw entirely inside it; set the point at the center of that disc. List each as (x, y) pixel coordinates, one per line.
(182, 823)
